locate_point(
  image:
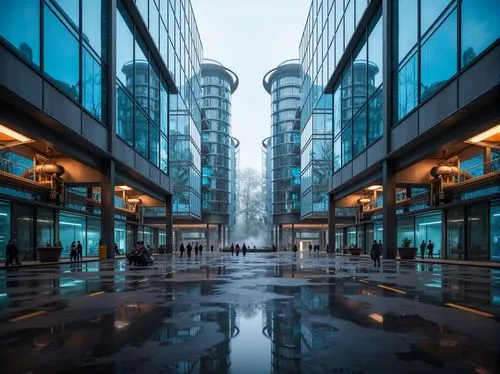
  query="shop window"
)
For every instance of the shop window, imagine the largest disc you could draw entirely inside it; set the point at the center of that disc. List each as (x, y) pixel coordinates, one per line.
(5, 233)
(478, 233)
(23, 219)
(429, 227)
(72, 227)
(456, 230)
(44, 227)
(494, 231)
(406, 229)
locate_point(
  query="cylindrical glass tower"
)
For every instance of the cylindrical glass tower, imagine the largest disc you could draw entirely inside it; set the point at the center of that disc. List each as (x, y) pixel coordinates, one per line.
(218, 84)
(283, 84)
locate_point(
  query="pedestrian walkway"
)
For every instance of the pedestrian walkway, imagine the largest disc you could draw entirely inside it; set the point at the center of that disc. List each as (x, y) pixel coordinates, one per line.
(61, 261)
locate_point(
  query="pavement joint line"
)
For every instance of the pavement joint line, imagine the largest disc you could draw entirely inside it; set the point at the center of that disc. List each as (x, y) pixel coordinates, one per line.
(391, 289)
(470, 310)
(28, 315)
(96, 293)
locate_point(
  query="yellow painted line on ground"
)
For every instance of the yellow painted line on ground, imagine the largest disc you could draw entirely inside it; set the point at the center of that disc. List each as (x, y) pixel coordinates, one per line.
(96, 293)
(470, 310)
(363, 281)
(391, 289)
(29, 315)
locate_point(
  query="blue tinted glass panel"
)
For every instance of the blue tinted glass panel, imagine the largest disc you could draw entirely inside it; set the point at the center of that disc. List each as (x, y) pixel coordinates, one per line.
(359, 133)
(438, 57)
(163, 107)
(154, 145)
(337, 154)
(480, 27)
(375, 55)
(164, 154)
(347, 145)
(142, 5)
(61, 64)
(93, 24)
(375, 118)
(406, 88)
(125, 52)
(141, 133)
(141, 76)
(71, 9)
(92, 85)
(14, 16)
(124, 116)
(405, 27)
(430, 12)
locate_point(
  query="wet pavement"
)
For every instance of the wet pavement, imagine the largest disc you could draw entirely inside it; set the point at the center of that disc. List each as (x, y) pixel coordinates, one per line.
(265, 313)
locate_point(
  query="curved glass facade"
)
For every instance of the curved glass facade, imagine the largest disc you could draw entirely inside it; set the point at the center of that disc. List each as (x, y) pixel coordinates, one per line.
(283, 83)
(218, 84)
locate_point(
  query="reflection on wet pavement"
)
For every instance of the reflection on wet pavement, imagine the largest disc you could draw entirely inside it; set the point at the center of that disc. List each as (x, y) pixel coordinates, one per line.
(265, 313)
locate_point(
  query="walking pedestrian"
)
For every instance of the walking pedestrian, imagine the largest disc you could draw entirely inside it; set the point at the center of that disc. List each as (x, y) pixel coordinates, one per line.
(189, 249)
(12, 252)
(196, 249)
(430, 247)
(232, 249)
(311, 247)
(212, 248)
(295, 249)
(422, 249)
(244, 249)
(237, 249)
(182, 249)
(73, 254)
(200, 248)
(375, 253)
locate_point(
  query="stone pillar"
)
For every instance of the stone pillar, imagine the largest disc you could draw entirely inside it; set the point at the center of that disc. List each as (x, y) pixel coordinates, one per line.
(331, 223)
(389, 209)
(108, 205)
(169, 224)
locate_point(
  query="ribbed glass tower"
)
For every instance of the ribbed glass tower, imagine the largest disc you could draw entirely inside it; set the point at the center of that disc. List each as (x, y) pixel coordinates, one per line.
(283, 84)
(218, 149)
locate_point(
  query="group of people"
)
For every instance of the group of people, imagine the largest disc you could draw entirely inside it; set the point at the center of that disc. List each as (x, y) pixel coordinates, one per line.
(237, 249)
(315, 248)
(198, 249)
(141, 255)
(76, 251)
(430, 249)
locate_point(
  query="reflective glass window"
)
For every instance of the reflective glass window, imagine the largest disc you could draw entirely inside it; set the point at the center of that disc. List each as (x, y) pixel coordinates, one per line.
(359, 133)
(125, 52)
(494, 230)
(141, 133)
(71, 9)
(61, 64)
(438, 57)
(339, 43)
(375, 118)
(154, 19)
(142, 5)
(406, 88)
(429, 12)
(456, 233)
(349, 21)
(154, 145)
(163, 107)
(337, 109)
(93, 16)
(5, 230)
(375, 54)
(14, 16)
(478, 248)
(359, 77)
(337, 154)
(72, 227)
(347, 145)
(92, 86)
(154, 94)
(124, 116)
(360, 9)
(405, 27)
(480, 27)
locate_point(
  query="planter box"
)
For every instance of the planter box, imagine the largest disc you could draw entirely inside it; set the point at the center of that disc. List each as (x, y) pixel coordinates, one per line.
(407, 253)
(49, 254)
(355, 251)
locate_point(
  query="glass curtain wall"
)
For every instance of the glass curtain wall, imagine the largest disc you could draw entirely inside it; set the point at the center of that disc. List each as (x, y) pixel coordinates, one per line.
(494, 231)
(427, 56)
(406, 229)
(456, 233)
(121, 236)
(478, 217)
(44, 227)
(429, 227)
(23, 221)
(93, 237)
(72, 227)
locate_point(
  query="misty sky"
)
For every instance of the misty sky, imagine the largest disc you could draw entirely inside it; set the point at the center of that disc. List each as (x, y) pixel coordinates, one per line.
(251, 37)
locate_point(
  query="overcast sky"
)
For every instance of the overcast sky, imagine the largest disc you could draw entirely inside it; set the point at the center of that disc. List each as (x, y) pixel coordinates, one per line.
(251, 37)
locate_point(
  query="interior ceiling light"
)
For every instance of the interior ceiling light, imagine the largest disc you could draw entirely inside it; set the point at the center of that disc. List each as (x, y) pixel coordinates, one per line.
(124, 188)
(374, 187)
(14, 134)
(485, 135)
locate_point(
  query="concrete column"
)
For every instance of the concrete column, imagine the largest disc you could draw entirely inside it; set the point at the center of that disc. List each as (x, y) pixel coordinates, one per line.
(389, 209)
(280, 236)
(219, 235)
(169, 224)
(224, 236)
(331, 223)
(293, 235)
(108, 205)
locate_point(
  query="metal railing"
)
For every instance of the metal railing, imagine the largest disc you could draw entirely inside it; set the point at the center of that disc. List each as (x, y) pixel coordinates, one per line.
(478, 170)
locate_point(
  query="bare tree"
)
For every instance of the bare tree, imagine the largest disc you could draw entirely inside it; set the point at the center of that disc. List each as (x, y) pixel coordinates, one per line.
(250, 203)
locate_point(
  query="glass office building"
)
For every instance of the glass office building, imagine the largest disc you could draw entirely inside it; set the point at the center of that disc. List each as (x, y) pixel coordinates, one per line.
(414, 122)
(283, 84)
(218, 85)
(86, 127)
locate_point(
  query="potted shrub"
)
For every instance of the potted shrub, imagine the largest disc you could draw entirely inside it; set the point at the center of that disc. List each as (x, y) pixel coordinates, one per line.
(406, 251)
(355, 250)
(50, 253)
